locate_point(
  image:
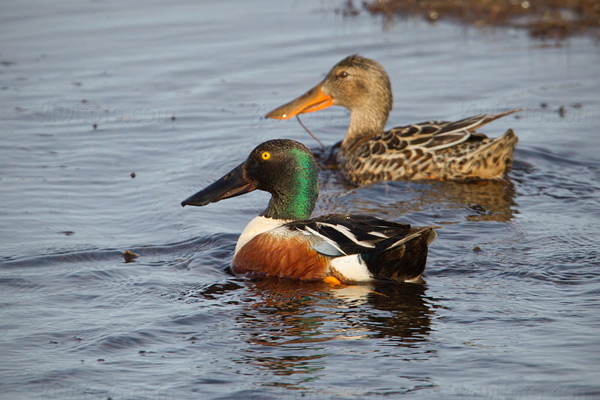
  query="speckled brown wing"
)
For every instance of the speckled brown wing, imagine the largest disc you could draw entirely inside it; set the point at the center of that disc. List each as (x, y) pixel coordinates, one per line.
(430, 150)
(400, 153)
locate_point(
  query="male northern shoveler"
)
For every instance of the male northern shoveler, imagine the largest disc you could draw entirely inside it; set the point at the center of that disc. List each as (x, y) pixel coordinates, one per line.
(427, 150)
(283, 241)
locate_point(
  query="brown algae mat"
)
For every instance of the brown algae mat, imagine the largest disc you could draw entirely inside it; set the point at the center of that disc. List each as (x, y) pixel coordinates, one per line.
(555, 19)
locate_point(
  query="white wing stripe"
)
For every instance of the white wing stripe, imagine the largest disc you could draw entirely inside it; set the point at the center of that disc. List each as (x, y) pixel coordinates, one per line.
(325, 238)
(346, 232)
(379, 234)
(406, 239)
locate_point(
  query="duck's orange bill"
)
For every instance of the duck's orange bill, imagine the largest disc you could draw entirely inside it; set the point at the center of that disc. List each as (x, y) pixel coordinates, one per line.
(313, 100)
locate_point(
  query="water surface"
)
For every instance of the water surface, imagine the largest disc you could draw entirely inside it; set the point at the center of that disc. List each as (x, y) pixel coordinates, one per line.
(175, 93)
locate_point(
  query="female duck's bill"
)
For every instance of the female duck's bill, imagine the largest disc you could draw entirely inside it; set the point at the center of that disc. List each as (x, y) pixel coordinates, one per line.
(284, 241)
(313, 100)
(427, 150)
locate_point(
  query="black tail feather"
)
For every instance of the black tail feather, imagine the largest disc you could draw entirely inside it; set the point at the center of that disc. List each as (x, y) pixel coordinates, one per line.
(404, 262)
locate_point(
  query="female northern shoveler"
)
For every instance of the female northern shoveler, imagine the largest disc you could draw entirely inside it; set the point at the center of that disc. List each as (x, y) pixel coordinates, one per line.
(427, 150)
(283, 241)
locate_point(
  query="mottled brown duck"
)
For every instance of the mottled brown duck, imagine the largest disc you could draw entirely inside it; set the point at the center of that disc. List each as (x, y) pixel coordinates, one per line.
(427, 150)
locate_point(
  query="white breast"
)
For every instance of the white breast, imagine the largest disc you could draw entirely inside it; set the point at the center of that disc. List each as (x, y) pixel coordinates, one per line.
(255, 227)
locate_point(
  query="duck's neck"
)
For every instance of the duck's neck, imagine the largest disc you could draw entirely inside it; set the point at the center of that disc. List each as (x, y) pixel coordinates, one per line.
(295, 195)
(363, 122)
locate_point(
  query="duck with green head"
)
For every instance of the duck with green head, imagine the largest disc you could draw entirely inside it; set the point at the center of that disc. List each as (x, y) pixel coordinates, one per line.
(285, 241)
(427, 150)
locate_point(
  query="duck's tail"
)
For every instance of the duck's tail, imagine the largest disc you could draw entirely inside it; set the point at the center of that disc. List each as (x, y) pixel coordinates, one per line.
(494, 158)
(402, 259)
(489, 118)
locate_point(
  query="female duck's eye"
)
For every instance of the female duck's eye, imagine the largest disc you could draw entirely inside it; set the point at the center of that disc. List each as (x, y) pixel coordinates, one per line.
(343, 74)
(265, 155)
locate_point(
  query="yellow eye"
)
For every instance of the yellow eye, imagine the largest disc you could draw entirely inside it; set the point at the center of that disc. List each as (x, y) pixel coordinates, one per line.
(265, 155)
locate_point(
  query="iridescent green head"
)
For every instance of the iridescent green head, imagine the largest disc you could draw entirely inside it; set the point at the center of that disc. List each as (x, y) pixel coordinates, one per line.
(285, 168)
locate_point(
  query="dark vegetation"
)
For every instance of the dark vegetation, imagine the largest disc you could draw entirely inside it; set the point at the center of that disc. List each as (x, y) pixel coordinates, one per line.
(554, 19)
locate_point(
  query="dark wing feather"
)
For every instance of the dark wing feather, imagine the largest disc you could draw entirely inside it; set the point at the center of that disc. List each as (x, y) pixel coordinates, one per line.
(352, 234)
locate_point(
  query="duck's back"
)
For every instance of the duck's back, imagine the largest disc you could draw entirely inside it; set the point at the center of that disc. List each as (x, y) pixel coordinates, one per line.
(429, 150)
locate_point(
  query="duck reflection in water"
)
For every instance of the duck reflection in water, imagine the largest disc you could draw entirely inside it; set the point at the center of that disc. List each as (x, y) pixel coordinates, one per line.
(471, 201)
(287, 322)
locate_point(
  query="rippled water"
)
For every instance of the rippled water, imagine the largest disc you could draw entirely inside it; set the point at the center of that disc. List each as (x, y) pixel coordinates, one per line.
(175, 93)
